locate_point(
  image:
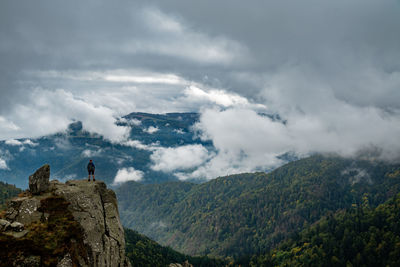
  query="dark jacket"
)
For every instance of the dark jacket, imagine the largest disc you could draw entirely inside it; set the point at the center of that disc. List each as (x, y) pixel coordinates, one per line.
(90, 166)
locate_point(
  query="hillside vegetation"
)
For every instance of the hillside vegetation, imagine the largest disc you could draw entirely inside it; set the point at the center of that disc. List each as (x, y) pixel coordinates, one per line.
(143, 251)
(251, 213)
(7, 191)
(362, 236)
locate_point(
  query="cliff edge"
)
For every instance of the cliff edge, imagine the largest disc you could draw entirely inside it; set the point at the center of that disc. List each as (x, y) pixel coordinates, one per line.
(63, 225)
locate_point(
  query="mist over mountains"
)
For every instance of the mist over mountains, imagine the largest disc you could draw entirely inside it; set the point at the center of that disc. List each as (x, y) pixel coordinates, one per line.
(333, 77)
(153, 140)
(252, 121)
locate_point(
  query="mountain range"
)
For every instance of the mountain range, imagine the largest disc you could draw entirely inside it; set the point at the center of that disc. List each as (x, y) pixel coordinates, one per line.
(303, 212)
(68, 152)
(251, 213)
(319, 211)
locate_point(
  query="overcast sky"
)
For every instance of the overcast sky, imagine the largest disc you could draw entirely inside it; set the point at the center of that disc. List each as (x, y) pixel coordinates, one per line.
(329, 68)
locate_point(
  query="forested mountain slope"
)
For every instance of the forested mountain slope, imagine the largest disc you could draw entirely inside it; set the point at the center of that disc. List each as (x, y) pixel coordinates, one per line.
(143, 251)
(7, 191)
(361, 236)
(251, 213)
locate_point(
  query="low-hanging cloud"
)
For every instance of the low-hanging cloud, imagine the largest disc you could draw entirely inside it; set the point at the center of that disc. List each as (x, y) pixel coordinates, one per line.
(247, 141)
(329, 69)
(151, 130)
(52, 111)
(89, 153)
(14, 142)
(128, 174)
(4, 157)
(178, 158)
(3, 164)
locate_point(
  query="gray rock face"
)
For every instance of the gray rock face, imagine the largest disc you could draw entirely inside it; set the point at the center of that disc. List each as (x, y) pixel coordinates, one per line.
(95, 208)
(39, 181)
(91, 204)
(24, 210)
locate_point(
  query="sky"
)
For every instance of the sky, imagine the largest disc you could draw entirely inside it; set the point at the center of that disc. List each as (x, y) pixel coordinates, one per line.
(330, 69)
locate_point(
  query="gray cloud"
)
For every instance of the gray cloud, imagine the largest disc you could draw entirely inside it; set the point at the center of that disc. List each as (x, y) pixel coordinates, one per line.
(329, 68)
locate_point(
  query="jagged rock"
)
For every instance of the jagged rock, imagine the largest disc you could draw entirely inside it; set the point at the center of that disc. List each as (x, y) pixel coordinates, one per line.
(89, 204)
(17, 227)
(39, 181)
(24, 210)
(66, 261)
(4, 225)
(95, 208)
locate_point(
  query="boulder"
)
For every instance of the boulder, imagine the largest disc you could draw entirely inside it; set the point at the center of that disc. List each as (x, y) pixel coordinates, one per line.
(17, 227)
(17, 234)
(4, 225)
(39, 181)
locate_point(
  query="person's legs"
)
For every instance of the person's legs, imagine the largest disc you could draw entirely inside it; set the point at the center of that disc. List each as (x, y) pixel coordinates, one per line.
(91, 173)
(93, 177)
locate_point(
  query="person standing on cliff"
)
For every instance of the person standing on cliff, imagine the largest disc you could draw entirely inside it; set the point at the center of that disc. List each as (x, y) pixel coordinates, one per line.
(91, 168)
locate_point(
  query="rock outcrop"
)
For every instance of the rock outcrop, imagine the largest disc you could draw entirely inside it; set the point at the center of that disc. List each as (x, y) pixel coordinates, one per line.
(39, 181)
(71, 224)
(185, 264)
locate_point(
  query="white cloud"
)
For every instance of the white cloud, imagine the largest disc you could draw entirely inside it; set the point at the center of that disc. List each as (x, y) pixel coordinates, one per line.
(100, 107)
(14, 142)
(244, 140)
(161, 78)
(61, 143)
(3, 164)
(219, 97)
(114, 76)
(151, 130)
(139, 145)
(54, 110)
(357, 175)
(130, 122)
(178, 158)
(88, 153)
(207, 97)
(247, 142)
(322, 116)
(30, 143)
(128, 174)
(179, 131)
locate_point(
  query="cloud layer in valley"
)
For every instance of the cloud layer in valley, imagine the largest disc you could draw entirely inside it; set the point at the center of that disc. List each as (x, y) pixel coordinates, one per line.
(128, 174)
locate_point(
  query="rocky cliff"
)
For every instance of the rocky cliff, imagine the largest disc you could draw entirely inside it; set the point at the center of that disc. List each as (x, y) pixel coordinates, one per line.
(57, 224)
